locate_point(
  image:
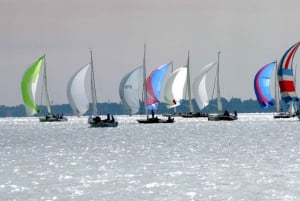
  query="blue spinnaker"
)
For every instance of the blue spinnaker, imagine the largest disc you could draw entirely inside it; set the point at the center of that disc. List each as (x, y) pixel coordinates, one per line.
(154, 83)
(262, 85)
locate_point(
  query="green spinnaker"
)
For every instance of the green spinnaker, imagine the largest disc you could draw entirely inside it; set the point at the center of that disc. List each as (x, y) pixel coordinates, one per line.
(29, 84)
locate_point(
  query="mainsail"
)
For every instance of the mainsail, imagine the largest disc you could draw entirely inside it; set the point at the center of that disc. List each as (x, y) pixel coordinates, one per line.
(29, 85)
(262, 85)
(199, 86)
(76, 91)
(286, 76)
(174, 89)
(130, 89)
(154, 84)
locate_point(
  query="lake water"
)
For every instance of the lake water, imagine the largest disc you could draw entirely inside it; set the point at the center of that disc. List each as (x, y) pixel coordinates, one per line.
(254, 158)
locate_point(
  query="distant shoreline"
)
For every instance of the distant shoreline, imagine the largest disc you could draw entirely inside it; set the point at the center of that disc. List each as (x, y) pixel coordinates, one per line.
(241, 106)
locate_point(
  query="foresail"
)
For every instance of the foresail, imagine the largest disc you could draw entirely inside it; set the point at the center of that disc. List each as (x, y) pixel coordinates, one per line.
(76, 91)
(154, 84)
(174, 89)
(130, 88)
(286, 76)
(199, 86)
(262, 85)
(29, 85)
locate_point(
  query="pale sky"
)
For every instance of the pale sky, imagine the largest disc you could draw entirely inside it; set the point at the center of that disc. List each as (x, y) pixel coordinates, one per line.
(249, 34)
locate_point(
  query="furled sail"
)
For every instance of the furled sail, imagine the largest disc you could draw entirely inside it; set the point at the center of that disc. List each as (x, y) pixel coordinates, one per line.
(154, 84)
(199, 86)
(130, 88)
(76, 91)
(262, 85)
(174, 90)
(29, 85)
(286, 76)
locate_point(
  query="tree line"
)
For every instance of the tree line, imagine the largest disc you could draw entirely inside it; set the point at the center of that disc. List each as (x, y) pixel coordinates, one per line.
(234, 104)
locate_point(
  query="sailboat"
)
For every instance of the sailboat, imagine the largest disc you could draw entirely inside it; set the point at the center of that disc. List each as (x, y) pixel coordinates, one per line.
(150, 90)
(286, 80)
(262, 90)
(191, 112)
(78, 96)
(29, 89)
(226, 116)
(186, 87)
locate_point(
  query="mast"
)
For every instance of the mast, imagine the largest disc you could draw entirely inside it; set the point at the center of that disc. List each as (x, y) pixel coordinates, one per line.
(189, 84)
(144, 82)
(277, 90)
(219, 103)
(48, 104)
(93, 87)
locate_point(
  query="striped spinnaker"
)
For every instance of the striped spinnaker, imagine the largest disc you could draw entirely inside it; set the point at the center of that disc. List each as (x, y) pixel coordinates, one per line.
(286, 77)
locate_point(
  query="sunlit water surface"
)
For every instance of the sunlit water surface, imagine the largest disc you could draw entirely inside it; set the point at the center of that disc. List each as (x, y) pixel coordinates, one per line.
(254, 158)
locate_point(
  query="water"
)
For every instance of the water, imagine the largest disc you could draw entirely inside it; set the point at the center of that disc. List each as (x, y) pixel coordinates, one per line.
(254, 158)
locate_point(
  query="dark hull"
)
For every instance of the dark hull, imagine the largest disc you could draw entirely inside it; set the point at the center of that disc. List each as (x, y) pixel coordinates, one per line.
(283, 115)
(103, 124)
(52, 118)
(155, 120)
(194, 115)
(96, 122)
(221, 117)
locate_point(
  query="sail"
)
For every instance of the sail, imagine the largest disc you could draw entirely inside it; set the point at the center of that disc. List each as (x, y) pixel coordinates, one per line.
(199, 86)
(129, 90)
(286, 76)
(262, 85)
(76, 91)
(29, 85)
(154, 84)
(174, 90)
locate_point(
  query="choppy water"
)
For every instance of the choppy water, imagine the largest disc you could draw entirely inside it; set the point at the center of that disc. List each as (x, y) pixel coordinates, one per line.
(254, 158)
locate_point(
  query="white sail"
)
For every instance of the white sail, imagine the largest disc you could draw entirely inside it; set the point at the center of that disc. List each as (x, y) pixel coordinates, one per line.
(76, 91)
(174, 90)
(292, 108)
(130, 88)
(199, 86)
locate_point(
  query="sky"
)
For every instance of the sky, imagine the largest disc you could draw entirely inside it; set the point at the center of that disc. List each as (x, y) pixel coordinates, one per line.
(249, 35)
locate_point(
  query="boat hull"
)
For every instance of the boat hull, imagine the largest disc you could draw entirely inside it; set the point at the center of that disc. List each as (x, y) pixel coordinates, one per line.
(52, 118)
(283, 115)
(155, 120)
(103, 124)
(221, 117)
(194, 115)
(98, 122)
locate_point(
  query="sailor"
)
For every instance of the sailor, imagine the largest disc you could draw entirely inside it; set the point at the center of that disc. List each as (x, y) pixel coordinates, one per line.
(97, 119)
(226, 113)
(112, 118)
(108, 118)
(152, 112)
